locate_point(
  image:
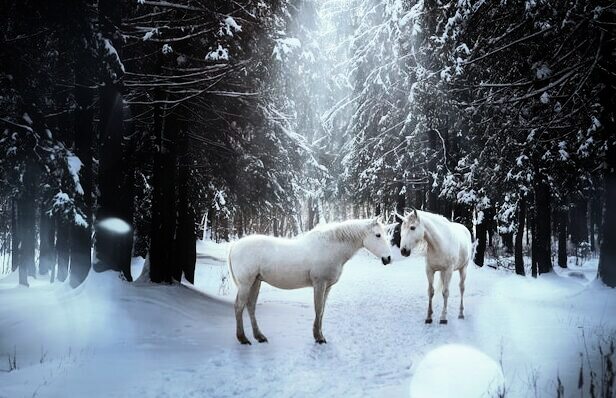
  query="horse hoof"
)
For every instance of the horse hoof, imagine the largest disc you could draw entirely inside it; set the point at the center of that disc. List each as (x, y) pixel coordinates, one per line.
(321, 341)
(460, 316)
(244, 341)
(428, 320)
(443, 322)
(262, 339)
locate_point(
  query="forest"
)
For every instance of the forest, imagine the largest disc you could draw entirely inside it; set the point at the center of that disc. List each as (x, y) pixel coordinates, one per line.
(191, 121)
(173, 116)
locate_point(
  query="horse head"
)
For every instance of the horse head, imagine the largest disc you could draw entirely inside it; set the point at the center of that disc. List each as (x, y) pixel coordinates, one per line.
(411, 232)
(375, 241)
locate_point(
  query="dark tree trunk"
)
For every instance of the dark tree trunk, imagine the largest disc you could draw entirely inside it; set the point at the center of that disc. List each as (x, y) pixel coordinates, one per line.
(607, 98)
(490, 219)
(562, 237)
(530, 225)
(507, 239)
(607, 257)
(81, 236)
(239, 224)
(482, 233)
(163, 199)
(113, 249)
(400, 206)
(579, 222)
(15, 237)
(434, 145)
(463, 214)
(310, 217)
(593, 222)
(519, 238)
(63, 248)
(26, 206)
(185, 237)
(47, 247)
(542, 251)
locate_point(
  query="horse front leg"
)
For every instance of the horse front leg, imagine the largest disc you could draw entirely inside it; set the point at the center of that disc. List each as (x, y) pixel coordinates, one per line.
(445, 279)
(430, 275)
(320, 294)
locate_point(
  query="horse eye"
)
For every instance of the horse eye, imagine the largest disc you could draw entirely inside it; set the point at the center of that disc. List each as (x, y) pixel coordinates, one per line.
(378, 235)
(412, 228)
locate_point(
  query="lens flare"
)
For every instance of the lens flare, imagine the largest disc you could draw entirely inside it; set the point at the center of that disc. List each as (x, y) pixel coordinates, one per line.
(457, 371)
(114, 225)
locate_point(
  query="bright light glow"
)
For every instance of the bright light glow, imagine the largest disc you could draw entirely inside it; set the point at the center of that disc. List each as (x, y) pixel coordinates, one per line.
(457, 371)
(115, 225)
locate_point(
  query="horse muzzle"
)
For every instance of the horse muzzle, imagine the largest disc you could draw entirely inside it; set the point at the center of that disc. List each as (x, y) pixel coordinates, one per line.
(405, 252)
(386, 260)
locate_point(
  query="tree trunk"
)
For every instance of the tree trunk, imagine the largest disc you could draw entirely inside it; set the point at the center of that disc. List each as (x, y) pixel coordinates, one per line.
(562, 237)
(113, 249)
(542, 251)
(519, 238)
(185, 238)
(482, 233)
(81, 237)
(433, 145)
(163, 200)
(27, 222)
(400, 206)
(47, 247)
(310, 217)
(15, 236)
(607, 257)
(63, 247)
(593, 222)
(463, 214)
(507, 239)
(607, 98)
(579, 222)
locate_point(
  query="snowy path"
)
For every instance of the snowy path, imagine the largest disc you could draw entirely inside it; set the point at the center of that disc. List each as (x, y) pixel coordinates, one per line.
(113, 339)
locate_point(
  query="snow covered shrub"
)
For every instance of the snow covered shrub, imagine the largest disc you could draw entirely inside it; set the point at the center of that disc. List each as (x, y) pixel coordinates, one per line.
(582, 253)
(223, 289)
(599, 385)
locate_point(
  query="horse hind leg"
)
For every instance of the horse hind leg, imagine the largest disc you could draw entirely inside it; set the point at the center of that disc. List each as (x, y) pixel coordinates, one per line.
(243, 291)
(445, 279)
(252, 304)
(430, 275)
(462, 280)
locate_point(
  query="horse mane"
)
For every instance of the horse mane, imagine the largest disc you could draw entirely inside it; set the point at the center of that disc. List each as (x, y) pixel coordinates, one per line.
(350, 231)
(433, 217)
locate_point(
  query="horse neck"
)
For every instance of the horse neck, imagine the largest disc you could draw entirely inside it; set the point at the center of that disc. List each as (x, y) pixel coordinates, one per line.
(432, 235)
(350, 246)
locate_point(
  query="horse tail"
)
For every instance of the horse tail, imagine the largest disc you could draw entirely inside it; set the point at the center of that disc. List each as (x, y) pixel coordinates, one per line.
(229, 264)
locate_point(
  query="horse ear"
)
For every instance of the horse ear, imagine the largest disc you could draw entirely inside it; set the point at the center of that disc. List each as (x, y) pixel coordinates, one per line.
(413, 216)
(377, 220)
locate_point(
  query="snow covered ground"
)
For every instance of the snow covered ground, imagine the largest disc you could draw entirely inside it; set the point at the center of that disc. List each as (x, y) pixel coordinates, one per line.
(110, 338)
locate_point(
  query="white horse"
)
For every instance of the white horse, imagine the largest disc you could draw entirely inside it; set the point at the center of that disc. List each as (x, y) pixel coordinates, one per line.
(449, 250)
(312, 259)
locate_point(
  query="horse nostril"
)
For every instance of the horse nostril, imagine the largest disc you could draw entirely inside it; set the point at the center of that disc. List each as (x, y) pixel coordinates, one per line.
(389, 259)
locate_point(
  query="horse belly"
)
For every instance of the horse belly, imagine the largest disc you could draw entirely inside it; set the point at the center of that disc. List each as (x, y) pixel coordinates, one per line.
(287, 279)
